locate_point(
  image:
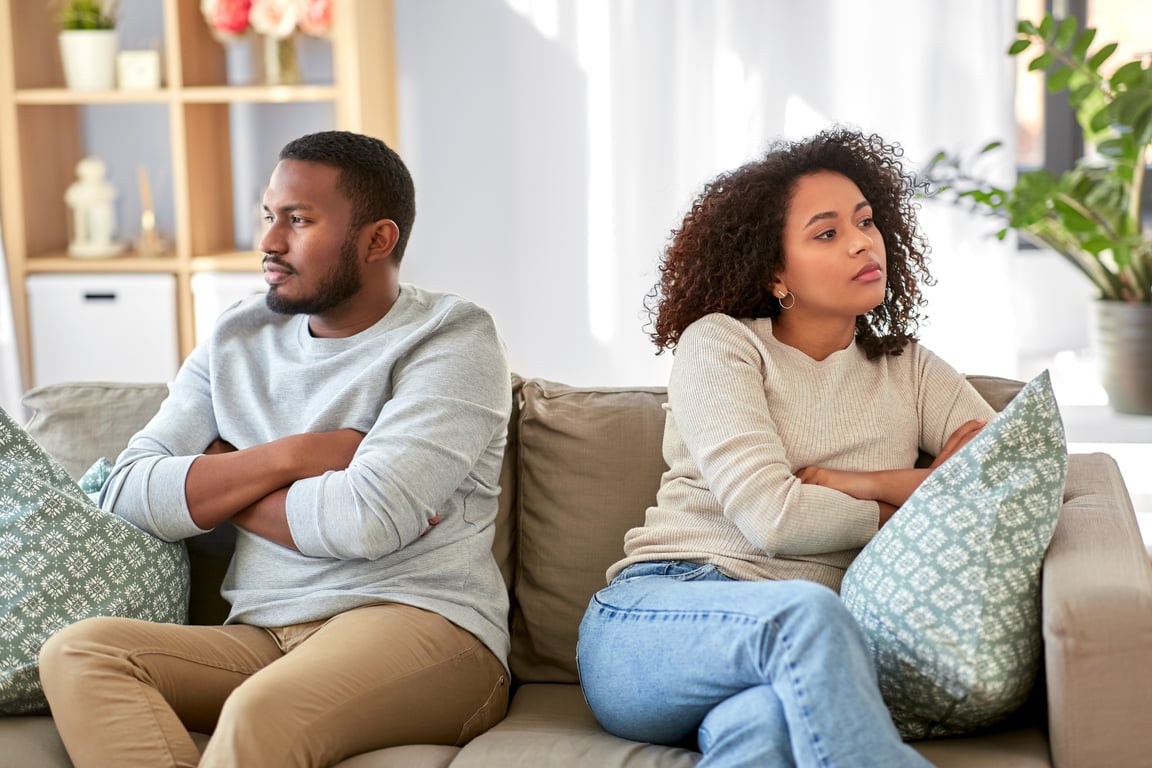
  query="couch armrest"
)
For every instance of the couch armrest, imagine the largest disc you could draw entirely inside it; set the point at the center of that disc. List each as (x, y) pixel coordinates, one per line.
(1097, 605)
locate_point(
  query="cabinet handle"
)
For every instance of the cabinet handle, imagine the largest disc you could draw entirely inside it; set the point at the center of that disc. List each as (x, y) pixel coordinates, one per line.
(99, 296)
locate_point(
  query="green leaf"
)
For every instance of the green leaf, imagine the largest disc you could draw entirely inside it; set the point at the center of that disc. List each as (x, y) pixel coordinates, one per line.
(1019, 46)
(1081, 92)
(1102, 55)
(1058, 78)
(1025, 27)
(991, 146)
(1047, 27)
(1101, 119)
(1129, 74)
(1114, 148)
(1043, 61)
(1066, 32)
(1080, 49)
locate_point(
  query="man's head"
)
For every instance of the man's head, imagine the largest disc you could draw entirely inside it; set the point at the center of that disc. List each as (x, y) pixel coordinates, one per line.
(372, 175)
(338, 209)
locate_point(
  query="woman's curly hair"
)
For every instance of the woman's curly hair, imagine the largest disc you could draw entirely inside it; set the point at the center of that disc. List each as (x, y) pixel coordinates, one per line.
(729, 249)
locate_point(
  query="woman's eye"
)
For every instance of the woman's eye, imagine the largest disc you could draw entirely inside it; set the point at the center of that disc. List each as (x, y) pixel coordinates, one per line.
(827, 234)
(868, 222)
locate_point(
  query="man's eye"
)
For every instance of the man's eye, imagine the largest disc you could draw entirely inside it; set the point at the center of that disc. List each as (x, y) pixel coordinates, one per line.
(297, 220)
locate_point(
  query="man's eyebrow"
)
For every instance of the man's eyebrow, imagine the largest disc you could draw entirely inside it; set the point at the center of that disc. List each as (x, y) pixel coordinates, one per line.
(289, 207)
(832, 214)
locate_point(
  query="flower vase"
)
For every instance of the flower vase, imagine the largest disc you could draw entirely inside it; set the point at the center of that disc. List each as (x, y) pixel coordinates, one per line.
(280, 66)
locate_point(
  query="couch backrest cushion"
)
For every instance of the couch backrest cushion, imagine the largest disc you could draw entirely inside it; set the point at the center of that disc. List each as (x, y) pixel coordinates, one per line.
(590, 465)
(80, 422)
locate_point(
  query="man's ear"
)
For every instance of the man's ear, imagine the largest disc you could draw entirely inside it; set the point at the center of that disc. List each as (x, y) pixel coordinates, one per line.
(385, 235)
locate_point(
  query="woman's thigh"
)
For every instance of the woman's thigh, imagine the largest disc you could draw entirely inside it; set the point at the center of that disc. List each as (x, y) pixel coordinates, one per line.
(658, 651)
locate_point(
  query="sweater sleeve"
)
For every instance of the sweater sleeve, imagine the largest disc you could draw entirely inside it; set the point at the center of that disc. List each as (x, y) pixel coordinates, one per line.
(718, 398)
(946, 400)
(450, 400)
(146, 487)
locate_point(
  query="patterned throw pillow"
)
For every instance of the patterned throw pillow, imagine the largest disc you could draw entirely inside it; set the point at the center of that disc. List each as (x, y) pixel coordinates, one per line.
(65, 560)
(948, 592)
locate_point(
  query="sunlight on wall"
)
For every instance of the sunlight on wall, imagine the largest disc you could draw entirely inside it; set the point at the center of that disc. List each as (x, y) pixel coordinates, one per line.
(737, 109)
(593, 53)
(801, 118)
(544, 15)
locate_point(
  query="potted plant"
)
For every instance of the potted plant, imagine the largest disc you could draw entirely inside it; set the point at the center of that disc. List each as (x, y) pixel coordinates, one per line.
(88, 43)
(1092, 214)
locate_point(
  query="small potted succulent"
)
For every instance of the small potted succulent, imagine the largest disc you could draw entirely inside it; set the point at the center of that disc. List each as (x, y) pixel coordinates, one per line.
(88, 43)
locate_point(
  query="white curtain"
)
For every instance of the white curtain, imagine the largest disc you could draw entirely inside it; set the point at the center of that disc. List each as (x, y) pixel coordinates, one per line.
(555, 143)
(9, 359)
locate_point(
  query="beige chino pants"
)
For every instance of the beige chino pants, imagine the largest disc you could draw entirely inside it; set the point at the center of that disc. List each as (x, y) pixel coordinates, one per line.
(126, 693)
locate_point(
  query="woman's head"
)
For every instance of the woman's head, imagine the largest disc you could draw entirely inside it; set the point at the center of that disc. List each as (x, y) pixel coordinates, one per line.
(730, 252)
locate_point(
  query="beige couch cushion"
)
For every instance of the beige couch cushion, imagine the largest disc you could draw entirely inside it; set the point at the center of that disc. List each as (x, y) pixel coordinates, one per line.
(590, 467)
(550, 725)
(80, 422)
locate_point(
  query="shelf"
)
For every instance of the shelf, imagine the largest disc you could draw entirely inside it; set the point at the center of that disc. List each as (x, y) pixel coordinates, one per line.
(199, 152)
(126, 263)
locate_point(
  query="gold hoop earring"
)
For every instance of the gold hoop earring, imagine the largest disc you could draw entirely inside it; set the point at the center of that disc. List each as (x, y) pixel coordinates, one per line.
(782, 296)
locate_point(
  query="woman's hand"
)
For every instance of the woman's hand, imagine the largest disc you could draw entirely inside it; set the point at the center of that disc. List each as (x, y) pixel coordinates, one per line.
(958, 440)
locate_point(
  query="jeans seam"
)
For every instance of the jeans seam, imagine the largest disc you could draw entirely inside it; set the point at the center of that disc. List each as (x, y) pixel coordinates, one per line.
(800, 693)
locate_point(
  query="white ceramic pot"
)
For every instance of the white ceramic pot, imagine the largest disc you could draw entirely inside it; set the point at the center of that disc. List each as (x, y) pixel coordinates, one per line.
(89, 57)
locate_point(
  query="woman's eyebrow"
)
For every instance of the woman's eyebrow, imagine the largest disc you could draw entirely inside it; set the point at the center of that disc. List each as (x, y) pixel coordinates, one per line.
(832, 214)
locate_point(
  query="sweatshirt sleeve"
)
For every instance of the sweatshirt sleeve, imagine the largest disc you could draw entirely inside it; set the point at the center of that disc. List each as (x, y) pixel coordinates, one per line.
(146, 487)
(449, 407)
(717, 396)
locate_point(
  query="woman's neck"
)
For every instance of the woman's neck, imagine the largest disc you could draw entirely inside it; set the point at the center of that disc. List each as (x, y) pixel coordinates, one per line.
(816, 338)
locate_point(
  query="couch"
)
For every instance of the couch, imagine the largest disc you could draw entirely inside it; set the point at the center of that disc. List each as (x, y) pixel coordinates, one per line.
(582, 465)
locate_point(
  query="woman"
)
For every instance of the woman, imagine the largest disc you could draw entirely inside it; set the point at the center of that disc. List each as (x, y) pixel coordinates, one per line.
(797, 405)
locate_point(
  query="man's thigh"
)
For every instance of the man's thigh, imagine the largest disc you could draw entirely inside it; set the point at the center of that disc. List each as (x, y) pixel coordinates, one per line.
(191, 668)
(377, 676)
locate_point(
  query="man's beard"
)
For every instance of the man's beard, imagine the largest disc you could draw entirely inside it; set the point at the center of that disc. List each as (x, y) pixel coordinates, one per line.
(336, 288)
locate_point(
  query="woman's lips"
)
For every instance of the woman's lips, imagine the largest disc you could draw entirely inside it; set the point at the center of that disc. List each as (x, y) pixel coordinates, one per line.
(869, 273)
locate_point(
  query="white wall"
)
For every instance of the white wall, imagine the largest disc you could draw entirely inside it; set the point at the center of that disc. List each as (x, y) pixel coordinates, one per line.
(555, 143)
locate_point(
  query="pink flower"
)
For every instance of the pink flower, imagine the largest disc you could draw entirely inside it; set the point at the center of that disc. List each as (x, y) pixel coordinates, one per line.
(229, 17)
(315, 17)
(274, 17)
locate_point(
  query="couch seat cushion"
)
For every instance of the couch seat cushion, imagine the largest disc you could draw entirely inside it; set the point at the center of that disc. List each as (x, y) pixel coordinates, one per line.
(549, 724)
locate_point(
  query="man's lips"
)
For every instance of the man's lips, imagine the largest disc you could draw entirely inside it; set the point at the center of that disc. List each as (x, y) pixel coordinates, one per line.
(869, 272)
(276, 272)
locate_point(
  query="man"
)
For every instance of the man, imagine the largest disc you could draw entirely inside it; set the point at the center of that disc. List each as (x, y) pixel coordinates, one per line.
(352, 428)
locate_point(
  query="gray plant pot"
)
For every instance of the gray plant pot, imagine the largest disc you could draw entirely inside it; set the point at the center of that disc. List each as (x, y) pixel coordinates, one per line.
(1124, 346)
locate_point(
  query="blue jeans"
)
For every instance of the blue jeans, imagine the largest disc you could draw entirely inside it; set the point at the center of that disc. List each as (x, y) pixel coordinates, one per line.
(762, 673)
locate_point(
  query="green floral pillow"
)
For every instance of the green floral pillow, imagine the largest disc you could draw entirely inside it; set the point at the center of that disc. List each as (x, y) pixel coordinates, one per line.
(65, 560)
(948, 592)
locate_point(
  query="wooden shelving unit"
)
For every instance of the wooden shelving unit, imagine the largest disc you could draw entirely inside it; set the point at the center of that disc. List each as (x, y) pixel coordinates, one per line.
(41, 141)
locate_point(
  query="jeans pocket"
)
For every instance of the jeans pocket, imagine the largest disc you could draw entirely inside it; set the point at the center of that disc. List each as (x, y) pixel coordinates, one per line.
(679, 570)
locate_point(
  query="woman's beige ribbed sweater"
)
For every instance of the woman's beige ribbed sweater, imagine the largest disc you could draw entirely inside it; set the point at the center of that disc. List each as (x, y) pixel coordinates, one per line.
(745, 412)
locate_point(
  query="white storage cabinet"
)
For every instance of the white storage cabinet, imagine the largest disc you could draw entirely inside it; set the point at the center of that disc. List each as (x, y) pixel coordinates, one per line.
(103, 327)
